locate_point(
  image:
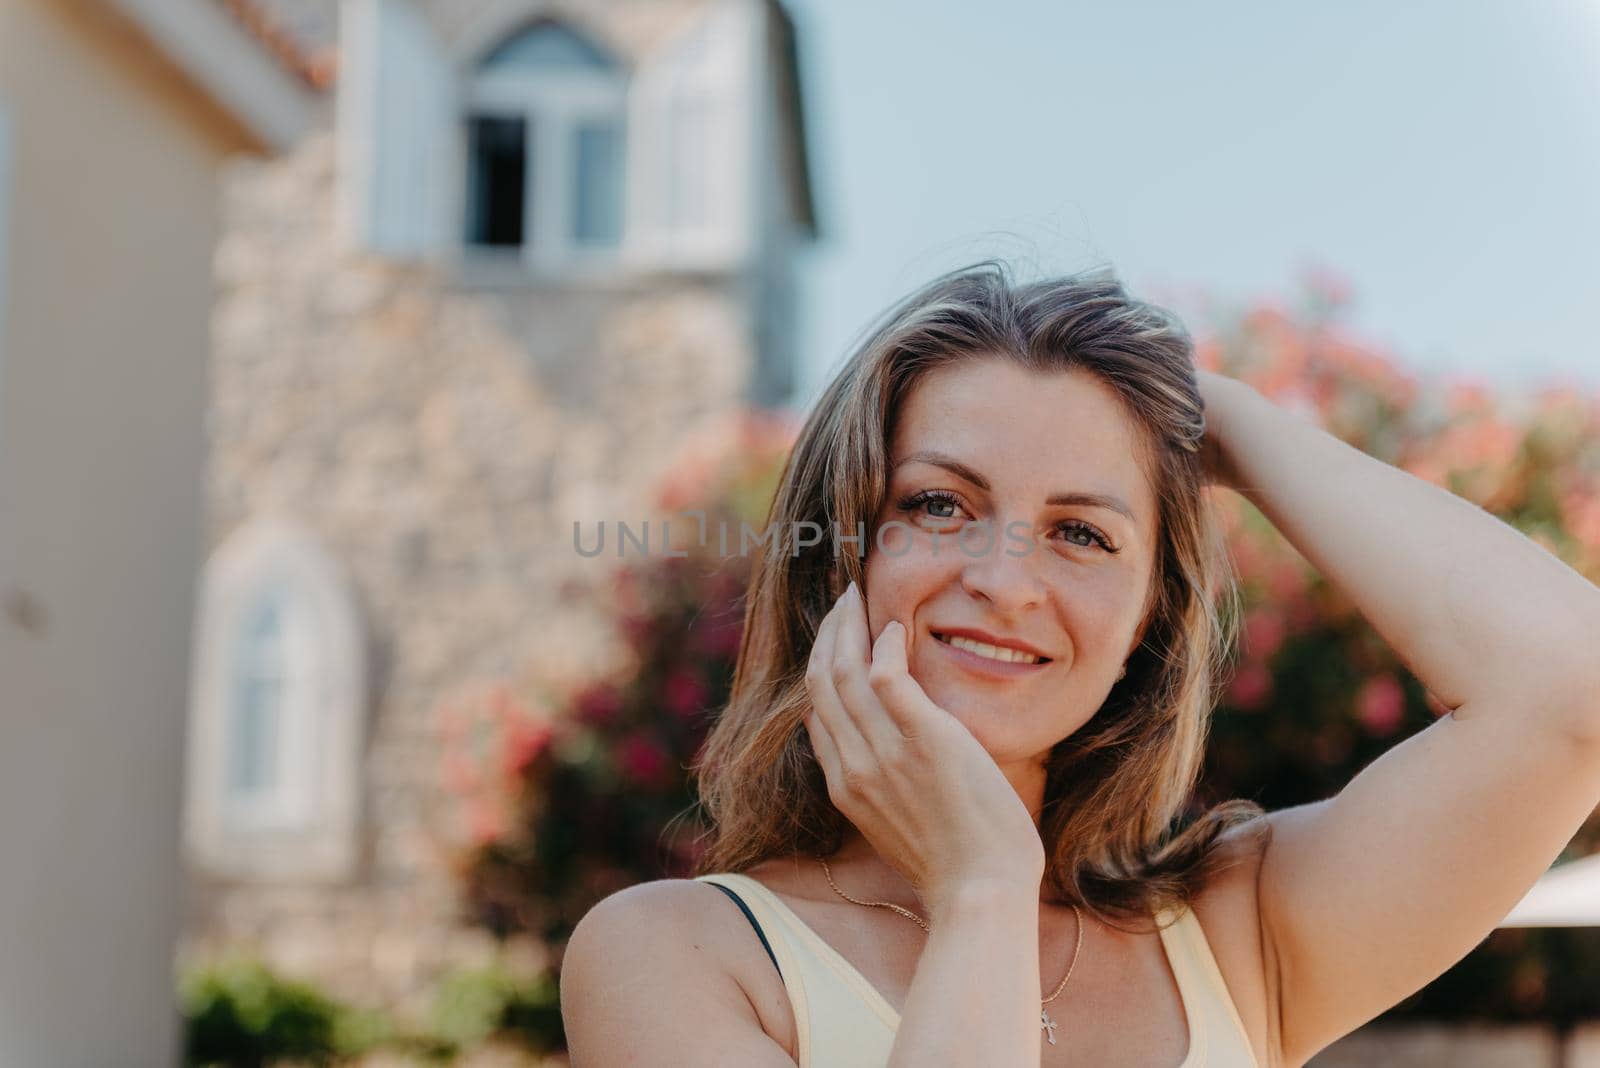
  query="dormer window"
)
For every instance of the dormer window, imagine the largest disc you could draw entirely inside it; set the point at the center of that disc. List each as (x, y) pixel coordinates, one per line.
(539, 148)
(545, 147)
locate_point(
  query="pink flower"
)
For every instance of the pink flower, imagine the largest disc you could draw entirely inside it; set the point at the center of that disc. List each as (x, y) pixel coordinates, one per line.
(1285, 578)
(684, 694)
(642, 760)
(1250, 687)
(1380, 705)
(523, 743)
(1302, 613)
(1264, 631)
(1581, 514)
(1467, 396)
(599, 705)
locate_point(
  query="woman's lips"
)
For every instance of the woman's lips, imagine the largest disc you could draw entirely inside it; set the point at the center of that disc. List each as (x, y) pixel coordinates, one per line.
(983, 666)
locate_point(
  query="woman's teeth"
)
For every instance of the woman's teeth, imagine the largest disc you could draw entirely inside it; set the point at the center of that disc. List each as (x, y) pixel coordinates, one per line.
(991, 652)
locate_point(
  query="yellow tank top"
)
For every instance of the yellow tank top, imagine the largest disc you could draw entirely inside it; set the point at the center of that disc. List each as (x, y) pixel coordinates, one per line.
(842, 1021)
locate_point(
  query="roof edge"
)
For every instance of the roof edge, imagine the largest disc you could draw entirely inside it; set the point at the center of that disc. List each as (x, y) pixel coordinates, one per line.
(220, 56)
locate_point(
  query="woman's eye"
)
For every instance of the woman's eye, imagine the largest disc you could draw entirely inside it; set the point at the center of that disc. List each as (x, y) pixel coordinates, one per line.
(932, 505)
(1093, 537)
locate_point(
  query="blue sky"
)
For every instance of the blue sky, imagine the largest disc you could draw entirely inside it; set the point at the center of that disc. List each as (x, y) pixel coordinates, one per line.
(1442, 156)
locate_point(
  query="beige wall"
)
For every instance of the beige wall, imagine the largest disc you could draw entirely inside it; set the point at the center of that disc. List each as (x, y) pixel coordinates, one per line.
(112, 220)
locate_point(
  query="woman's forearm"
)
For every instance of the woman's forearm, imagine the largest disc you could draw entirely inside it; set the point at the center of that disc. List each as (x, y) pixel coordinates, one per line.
(1475, 609)
(975, 996)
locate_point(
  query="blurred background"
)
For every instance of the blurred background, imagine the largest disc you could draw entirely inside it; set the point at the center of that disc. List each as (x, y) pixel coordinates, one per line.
(332, 330)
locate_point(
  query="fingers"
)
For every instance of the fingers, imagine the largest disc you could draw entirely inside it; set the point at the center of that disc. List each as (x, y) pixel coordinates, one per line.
(848, 748)
(901, 696)
(852, 657)
(827, 753)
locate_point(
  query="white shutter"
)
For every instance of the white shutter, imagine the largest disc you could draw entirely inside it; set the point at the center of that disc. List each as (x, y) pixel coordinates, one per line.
(398, 133)
(692, 144)
(644, 215)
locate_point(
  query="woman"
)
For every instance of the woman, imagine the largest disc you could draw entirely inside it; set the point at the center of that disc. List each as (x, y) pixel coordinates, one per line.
(967, 718)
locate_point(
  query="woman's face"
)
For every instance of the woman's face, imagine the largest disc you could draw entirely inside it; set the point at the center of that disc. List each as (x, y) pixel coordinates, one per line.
(990, 448)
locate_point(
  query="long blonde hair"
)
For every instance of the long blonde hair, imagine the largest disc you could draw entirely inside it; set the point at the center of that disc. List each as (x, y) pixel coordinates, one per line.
(1116, 786)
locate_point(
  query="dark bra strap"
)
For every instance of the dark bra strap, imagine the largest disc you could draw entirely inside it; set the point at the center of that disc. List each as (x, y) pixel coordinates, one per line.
(737, 900)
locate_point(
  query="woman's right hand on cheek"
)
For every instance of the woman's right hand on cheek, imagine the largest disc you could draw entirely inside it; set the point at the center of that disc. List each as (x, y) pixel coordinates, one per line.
(909, 775)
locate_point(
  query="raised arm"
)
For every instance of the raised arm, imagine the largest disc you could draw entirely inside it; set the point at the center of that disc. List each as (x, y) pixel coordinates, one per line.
(1371, 894)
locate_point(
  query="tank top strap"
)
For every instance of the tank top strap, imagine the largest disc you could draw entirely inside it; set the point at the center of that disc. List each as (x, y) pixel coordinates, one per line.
(840, 1019)
(1214, 1021)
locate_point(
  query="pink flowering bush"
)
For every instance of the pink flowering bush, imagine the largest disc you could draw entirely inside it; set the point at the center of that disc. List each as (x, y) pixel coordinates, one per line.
(558, 810)
(1316, 694)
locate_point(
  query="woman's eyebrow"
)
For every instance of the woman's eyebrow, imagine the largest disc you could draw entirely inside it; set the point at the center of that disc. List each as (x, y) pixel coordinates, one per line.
(961, 470)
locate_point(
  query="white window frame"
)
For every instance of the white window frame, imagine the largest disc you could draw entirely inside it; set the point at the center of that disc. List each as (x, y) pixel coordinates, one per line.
(308, 827)
(289, 803)
(553, 104)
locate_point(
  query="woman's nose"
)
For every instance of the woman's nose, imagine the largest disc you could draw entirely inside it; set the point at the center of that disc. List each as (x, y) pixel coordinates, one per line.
(1000, 569)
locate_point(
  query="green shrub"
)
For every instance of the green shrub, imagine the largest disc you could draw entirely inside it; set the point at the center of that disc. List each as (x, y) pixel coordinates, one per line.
(474, 1006)
(241, 1015)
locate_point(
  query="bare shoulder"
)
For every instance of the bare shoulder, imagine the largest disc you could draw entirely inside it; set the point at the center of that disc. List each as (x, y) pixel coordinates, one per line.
(651, 975)
(1229, 914)
(650, 913)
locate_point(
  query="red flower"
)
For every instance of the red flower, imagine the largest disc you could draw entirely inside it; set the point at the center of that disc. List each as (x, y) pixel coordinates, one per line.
(639, 629)
(1381, 705)
(684, 694)
(720, 637)
(599, 705)
(642, 760)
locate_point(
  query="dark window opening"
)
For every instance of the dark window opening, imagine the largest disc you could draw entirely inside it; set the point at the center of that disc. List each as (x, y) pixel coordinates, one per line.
(496, 184)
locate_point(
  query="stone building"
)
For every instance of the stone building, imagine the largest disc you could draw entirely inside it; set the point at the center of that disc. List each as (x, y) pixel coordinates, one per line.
(528, 248)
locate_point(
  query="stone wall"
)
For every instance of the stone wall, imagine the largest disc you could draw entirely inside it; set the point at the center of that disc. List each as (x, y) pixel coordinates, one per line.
(440, 438)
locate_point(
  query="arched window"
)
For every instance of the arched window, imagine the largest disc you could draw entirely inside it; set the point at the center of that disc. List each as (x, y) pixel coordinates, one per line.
(545, 146)
(260, 676)
(277, 710)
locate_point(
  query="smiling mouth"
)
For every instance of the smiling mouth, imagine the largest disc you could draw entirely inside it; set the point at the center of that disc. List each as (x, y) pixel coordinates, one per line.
(996, 653)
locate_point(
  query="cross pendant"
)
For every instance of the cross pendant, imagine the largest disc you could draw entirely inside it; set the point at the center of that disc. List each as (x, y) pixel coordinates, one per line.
(1048, 1026)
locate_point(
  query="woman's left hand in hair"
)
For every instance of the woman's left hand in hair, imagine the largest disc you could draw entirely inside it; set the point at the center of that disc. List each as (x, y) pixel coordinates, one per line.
(1215, 393)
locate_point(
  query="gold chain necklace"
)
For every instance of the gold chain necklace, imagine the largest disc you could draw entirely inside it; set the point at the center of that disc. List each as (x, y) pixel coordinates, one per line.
(1046, 1024)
